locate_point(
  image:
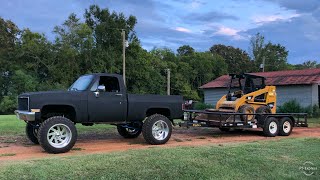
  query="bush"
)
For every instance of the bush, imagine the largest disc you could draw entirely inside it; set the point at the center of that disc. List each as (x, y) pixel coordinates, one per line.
(293, 106)
(202, 106)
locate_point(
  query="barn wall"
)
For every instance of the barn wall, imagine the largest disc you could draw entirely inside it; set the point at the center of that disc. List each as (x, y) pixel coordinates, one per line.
(306, 95)
(302, 93)
(212, 96)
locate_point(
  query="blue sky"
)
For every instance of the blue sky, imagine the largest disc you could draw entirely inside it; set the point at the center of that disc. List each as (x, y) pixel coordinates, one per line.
(199, 23)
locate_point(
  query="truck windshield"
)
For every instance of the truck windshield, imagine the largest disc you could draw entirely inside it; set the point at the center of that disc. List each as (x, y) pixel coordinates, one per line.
(81, 83)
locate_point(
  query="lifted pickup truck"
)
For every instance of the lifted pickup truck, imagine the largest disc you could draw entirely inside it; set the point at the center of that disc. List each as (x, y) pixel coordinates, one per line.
(96, 98)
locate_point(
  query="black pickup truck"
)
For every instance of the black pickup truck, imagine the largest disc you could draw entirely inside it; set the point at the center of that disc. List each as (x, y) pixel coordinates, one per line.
(96, 98)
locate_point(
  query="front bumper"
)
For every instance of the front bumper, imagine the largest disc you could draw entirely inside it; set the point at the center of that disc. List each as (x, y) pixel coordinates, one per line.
(25, 115)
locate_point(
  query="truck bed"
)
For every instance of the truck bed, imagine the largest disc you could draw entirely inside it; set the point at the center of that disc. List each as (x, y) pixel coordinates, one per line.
(138, 105)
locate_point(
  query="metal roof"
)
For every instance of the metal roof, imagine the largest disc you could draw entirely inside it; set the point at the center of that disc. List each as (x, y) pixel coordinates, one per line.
(276, 78)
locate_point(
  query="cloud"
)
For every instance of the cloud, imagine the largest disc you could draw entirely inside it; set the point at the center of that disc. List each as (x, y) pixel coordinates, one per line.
(212, 16)
(301, 36)
(263, 19)
(181, 29)
(302, 6)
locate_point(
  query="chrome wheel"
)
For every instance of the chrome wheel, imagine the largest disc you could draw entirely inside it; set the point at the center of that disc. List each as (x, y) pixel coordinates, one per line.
(286, 127)
(59, 135)
(160, 130)
(273, 127)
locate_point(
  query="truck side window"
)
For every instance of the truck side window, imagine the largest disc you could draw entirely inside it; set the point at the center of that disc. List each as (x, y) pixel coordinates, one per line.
(111, 83)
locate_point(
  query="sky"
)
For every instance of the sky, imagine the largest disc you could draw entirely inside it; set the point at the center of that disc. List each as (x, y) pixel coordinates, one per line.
(294, 24)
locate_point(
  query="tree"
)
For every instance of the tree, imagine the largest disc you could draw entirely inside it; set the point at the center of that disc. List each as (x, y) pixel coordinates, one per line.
(185, 50)
(275, 54)
(257, 49)
(238, 60)
(275, 57)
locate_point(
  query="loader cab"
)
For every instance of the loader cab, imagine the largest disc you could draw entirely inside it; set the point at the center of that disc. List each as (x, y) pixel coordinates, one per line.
(242, 84)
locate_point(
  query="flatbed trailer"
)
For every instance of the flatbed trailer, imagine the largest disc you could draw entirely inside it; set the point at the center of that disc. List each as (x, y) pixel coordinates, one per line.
(272, 124)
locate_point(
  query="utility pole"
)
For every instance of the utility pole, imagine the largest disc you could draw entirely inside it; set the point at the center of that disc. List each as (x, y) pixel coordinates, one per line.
(123, 33)
(168, 81)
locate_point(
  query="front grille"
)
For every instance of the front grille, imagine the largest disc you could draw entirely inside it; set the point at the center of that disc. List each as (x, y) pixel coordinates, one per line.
(23, 103)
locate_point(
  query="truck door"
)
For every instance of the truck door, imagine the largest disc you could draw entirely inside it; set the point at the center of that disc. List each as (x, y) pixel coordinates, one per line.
(106, 100)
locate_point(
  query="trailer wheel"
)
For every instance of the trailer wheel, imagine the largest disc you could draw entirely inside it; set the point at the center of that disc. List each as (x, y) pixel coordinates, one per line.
(271, 127)
(285, 126)
(246, 109)
(127, 132)
(57, 135)
(32, 133)
(157, 129)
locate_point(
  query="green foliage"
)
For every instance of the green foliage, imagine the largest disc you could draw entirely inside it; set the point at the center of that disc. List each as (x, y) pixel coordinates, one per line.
(275, 54)
(202, 106)
(238, 60)
(293, 106)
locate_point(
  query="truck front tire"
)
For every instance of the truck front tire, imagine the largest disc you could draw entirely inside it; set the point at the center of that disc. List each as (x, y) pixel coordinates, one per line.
(157, 129)
(57, 135)
(32, 133)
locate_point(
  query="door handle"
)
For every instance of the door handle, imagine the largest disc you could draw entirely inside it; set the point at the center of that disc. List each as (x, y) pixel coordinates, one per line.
(96, 94)
(118, 94)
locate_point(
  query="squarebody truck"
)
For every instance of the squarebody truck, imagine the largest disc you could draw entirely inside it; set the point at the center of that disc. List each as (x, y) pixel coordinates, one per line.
(96, 98)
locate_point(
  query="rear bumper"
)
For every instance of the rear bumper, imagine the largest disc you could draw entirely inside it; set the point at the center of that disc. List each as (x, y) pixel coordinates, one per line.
(25, 115)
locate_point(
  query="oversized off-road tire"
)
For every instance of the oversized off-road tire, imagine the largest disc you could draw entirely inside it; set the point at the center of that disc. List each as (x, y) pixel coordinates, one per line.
(271, 127)
(246, 109)
(157, 129)
(32, 133)
(127, 132)
(57, 135)
(223, 129)
(285, 126)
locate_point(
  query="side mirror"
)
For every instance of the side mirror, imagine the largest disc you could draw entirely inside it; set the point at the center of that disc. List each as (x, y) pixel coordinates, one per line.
(101, 88)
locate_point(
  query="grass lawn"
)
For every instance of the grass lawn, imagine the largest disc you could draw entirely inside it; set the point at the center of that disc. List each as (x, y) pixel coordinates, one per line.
(11, 126)
(274, 159)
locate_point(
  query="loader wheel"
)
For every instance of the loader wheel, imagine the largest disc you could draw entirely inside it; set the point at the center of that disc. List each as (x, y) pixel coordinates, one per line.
(57, 135)
(271, 127)
(285, 126)
(262, 110)
(246, 109)
(157, 129)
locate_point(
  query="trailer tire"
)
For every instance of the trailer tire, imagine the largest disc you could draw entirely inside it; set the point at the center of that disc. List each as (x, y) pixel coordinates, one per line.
(285, 126)
(246, 109)
(271, 127)
(57, 135)
(32, 133)
(157, 129)
(129, 133)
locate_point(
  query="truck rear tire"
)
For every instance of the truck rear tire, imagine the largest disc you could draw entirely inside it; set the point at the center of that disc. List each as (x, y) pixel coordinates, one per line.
(271, 127)
(57, 135)
(32, 133)
(157, 129)
(129, 132)
(285, 126)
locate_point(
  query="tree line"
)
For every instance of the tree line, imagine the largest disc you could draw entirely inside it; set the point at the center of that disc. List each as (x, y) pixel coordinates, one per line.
(31, 62)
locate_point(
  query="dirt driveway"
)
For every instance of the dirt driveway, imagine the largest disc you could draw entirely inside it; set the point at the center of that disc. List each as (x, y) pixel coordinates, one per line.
(21, 149)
